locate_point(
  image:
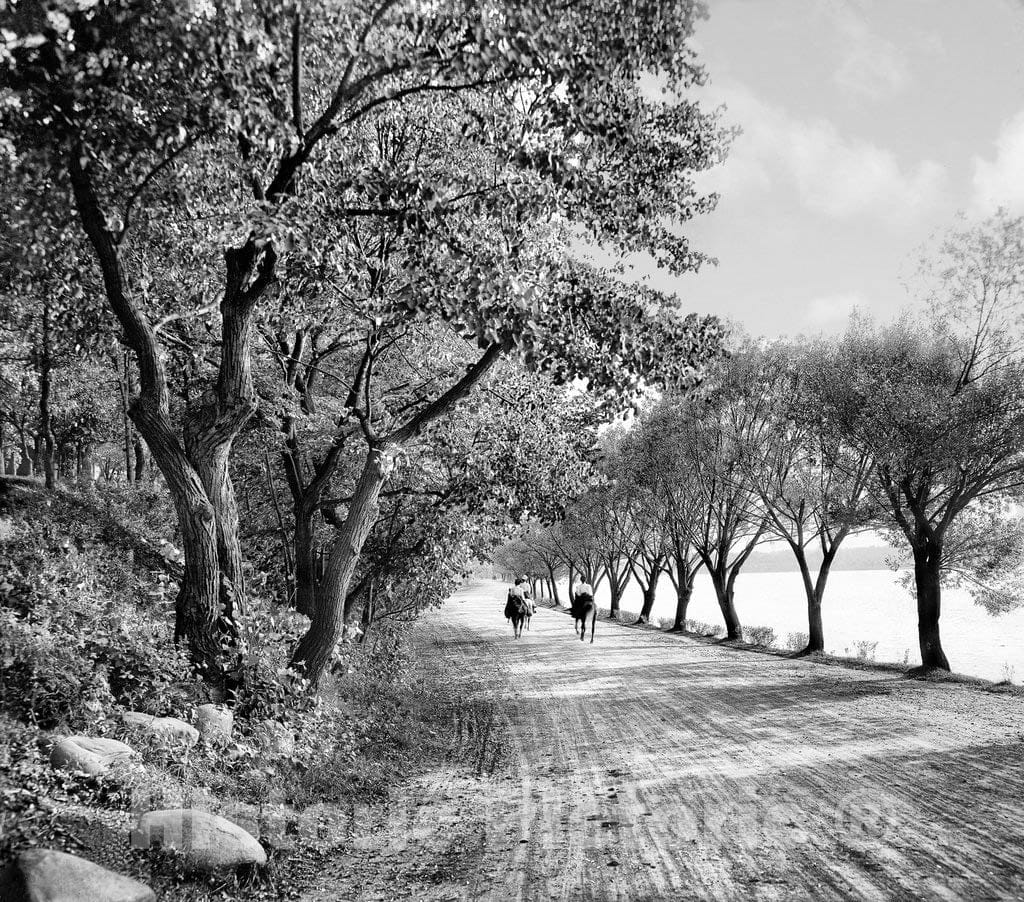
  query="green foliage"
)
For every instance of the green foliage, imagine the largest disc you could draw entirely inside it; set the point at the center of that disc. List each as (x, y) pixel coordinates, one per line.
(984, 554)
(865, 649)
(941, 435)
(83, 627)
(763, 636)
(373, 176)
(32, 792)
(700, 628)
(797, 641)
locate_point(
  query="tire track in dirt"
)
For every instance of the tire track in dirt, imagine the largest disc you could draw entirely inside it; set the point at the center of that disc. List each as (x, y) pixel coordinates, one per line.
(653, 767)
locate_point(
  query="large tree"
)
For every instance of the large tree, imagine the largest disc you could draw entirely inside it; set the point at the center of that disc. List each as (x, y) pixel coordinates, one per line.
(660, 475)
(937, 406)
(203, 145)
(710, 432)
(942, 434)
(810, 482)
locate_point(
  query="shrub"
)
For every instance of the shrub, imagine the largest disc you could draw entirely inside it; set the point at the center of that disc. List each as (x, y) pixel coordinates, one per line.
(797, 641)
(762, 636)
(700, 628)
(79, 630)
(865, 650)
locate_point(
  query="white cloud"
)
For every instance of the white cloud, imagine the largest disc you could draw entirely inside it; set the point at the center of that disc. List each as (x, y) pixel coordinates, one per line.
(832, 174)
(830, 313)
(999, 182)
(871, 67)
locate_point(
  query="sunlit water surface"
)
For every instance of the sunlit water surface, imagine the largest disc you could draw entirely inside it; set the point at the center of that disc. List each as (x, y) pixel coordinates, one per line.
(860, 606)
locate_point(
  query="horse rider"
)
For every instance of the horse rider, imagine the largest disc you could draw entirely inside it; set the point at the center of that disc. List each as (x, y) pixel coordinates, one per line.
(582, 592)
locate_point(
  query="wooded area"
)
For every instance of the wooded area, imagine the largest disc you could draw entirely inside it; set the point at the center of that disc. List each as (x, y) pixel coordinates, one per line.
(289, 266)
(309, 310)
(914, 429)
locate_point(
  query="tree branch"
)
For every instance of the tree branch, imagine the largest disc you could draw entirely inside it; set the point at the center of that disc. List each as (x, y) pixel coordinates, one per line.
(297, 69)
(189, 142)
(449, 399)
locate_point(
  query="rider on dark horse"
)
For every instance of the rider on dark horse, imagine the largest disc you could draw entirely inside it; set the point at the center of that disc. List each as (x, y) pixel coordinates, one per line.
(518, 606)
(584, 606)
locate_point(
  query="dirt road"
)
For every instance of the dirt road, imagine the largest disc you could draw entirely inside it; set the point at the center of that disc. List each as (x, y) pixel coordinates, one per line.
(655, 767)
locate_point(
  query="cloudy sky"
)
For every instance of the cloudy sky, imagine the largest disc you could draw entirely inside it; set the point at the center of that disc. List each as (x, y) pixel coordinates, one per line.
(867, 125)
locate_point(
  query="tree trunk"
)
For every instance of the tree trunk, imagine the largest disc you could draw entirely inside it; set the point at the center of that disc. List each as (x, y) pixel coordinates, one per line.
(650, 593)
(615, 591)
(684, 592)
(213, 467)
(306, 500)
(813, 592)
(140, 458)
(314, 651)
(816, 629)
(366, 620)
(198, 613)
(724, 592)
(287, 544)
(927, 570)
(194, 461)
(815, 625)
(213, 585)
(124, 388)
(554, 585)
(45, 419)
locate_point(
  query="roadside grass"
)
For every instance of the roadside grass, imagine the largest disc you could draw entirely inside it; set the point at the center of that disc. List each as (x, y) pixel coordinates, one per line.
(862, 659)
(86, 632)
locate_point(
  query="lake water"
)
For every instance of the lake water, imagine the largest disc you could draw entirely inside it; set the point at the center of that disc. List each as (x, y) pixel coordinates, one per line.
(859, 606)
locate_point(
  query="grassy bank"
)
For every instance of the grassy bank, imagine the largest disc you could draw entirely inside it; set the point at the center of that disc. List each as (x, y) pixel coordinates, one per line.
(86, 633)
(759, 640)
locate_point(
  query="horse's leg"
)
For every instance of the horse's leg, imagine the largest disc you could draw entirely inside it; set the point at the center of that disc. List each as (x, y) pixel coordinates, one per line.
(593, 623)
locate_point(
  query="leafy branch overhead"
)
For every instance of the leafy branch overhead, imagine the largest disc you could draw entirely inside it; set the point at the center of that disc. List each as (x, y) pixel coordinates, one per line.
(372, 169)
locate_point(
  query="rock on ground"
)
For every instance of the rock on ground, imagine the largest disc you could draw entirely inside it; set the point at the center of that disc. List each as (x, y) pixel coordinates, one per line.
(215, 722)
(46, 875)
(170, 729)
(90, 754)
(207, 842)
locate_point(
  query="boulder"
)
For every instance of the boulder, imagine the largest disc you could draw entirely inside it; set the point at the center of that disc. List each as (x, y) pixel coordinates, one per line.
(215, 723)
(206, 842)
(278, 739)
(283, 743)
(90, 754)
(46, 875)
(169, 729)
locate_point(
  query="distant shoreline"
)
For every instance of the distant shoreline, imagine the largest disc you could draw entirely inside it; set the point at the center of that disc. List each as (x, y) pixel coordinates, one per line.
(875, 557)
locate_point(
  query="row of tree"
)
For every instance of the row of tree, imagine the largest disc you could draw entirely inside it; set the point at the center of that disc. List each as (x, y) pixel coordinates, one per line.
(915, 429)
(315, 231)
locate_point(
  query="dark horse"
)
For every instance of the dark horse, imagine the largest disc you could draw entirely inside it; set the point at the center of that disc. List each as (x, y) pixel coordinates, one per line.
(518, 610)
(583, 606)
